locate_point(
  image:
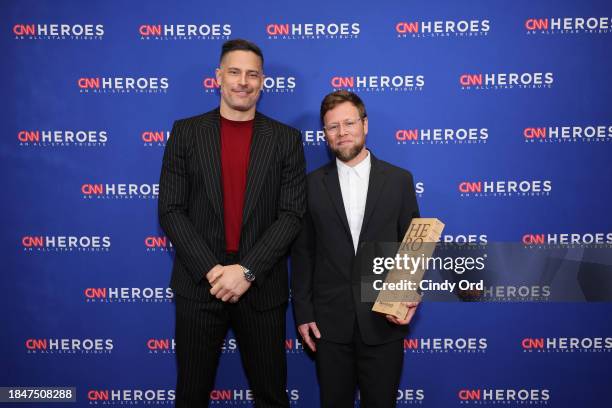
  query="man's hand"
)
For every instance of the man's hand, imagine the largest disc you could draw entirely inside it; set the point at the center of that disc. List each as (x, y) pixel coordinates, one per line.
(214, 274)
(305, 329)
(230, 284)
(412, 306)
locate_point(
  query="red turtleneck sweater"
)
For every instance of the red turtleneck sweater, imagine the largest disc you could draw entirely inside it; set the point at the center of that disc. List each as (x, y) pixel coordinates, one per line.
(235, 151)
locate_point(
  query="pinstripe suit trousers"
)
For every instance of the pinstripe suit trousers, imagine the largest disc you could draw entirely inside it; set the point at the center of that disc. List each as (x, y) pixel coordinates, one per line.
(201, 328)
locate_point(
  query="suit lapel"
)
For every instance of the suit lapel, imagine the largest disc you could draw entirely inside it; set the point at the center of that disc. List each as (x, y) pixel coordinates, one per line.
(375, 188)
(332, 185)
(210, 157)
(260, 157)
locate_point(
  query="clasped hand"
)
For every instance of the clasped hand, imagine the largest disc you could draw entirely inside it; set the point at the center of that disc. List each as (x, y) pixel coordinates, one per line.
(228, 282)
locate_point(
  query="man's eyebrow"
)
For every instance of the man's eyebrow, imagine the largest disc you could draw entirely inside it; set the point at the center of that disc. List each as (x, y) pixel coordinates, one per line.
(248, 70)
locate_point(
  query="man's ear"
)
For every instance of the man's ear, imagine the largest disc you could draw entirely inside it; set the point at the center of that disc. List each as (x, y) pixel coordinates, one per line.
(218, 75)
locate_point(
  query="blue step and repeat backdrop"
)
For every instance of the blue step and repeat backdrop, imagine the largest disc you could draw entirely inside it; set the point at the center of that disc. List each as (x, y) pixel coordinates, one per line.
(500, 109)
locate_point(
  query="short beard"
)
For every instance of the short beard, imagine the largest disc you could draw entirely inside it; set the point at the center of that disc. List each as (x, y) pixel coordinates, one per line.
(350, 154)
(237, 108)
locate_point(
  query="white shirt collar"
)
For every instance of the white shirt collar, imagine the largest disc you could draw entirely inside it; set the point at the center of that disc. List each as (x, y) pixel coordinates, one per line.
(362, 169)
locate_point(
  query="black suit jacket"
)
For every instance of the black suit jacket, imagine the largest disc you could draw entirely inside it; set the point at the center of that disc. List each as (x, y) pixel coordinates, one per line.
(326, 273)
(191, 205)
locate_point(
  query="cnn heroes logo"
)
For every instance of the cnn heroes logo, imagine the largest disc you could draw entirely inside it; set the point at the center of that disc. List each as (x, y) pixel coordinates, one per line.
(506, 80)
(566, 344)
(62, 138)
(168, 345)
(158, 244)
(45, 31)
(128, 295)
(505, 188)
(69, 346)
(468, 345)
(568, 25)
(161, 346)
(120, 191)
(379, 83)
(184, 31)
(123, 85)
(312, 31)
(244, 396)
(568, 134)
(495, 396)
(442, 136)
(588, 239)
(152, 138)
(442, 28)
(131, 396)
(65, 243)
(271, 84)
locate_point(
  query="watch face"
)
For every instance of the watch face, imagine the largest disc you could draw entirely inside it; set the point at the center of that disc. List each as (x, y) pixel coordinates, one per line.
(248, 275)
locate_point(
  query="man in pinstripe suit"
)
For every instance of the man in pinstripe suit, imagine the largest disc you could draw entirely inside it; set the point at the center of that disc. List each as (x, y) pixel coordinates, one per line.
(231, 200)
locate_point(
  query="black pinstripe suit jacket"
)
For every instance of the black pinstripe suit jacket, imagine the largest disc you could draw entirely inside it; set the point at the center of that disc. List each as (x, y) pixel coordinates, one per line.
(190, 205)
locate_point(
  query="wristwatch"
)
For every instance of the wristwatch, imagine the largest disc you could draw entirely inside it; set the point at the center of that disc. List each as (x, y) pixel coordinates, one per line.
(248, 274)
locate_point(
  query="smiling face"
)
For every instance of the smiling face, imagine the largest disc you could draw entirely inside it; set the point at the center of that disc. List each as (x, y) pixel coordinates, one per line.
(345, 131)
(240, 78)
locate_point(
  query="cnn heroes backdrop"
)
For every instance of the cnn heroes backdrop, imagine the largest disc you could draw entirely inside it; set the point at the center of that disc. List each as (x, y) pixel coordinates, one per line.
(499, 109)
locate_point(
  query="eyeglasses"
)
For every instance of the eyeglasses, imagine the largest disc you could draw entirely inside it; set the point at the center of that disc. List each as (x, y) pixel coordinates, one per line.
(334, 128)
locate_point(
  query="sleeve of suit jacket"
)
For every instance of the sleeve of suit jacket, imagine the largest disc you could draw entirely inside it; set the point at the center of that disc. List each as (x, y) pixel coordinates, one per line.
(274, 243)
(173, 201)
(302, 269)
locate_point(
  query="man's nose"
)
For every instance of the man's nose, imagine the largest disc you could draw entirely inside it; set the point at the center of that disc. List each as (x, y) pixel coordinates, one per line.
(243, 79)
(343, 129)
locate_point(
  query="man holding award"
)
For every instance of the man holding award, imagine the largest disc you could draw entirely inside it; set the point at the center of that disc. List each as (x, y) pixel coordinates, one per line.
(354, 199)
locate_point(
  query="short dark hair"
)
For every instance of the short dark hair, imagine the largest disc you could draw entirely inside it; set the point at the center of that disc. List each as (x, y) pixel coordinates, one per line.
(336, 98)
(239, 44)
